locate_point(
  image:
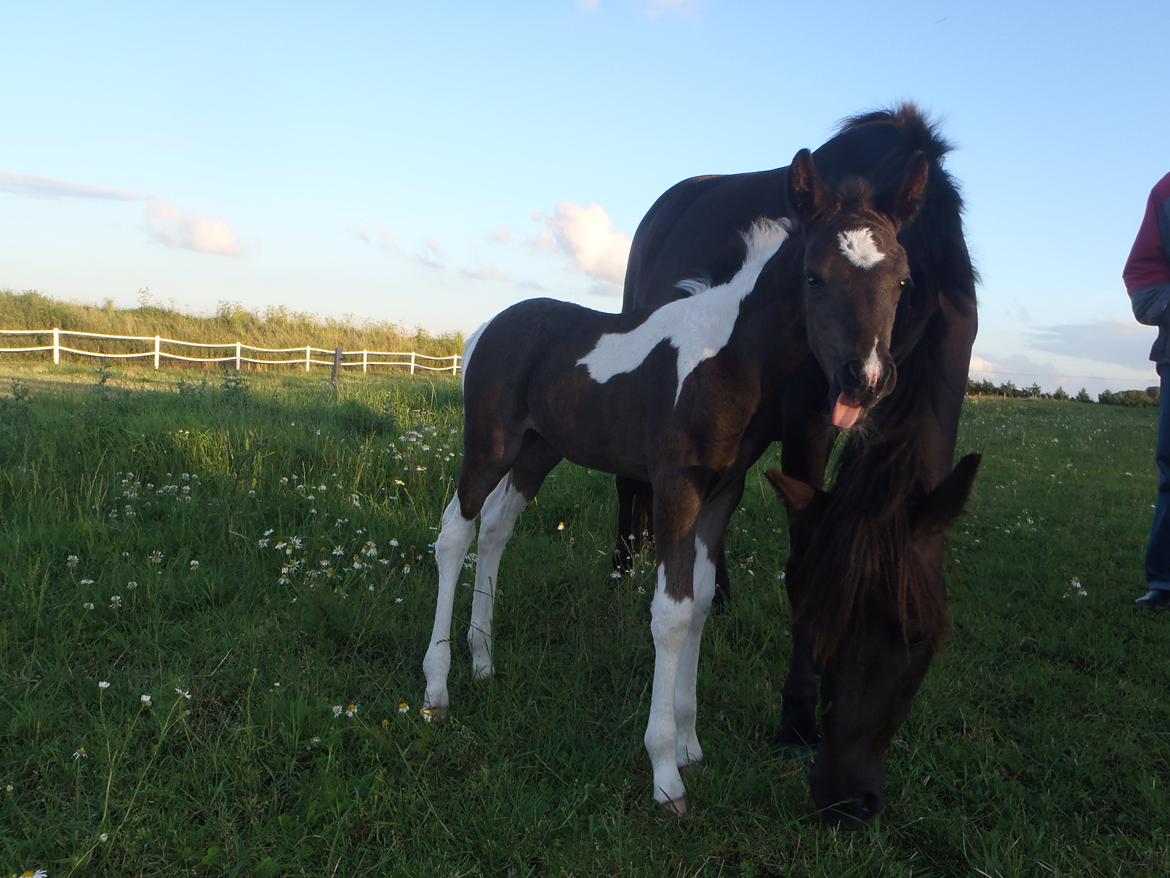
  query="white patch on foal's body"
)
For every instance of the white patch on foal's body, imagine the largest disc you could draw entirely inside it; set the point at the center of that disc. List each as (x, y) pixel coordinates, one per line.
(872, 367)
(859, 247)
(698, 327)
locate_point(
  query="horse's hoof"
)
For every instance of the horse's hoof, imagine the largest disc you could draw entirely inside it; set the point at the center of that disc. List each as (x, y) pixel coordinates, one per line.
(483, 673)
(675, 807)
(438, 712)
(691, 769)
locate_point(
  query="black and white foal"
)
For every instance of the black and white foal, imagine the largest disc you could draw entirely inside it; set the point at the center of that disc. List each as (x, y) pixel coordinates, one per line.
(682, 397)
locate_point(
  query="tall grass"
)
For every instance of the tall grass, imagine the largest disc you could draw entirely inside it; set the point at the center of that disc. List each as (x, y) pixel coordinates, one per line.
(263, 546)
(275, 327)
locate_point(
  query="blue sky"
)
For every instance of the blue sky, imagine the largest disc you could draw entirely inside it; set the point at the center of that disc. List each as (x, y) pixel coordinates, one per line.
(430, 164)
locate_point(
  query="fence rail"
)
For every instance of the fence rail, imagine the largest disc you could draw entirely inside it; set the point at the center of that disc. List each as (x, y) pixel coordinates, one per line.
(365, 359)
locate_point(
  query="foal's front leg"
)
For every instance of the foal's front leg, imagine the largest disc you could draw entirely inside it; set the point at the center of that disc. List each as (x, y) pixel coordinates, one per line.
(686, 584)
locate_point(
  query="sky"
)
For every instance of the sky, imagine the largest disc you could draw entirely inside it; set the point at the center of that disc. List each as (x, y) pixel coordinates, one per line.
(430, 164)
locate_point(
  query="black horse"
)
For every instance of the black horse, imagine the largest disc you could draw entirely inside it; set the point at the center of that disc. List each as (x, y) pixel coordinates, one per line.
(903, 448)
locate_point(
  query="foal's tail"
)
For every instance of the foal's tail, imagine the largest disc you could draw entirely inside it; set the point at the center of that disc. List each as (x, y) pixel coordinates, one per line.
(468, 350)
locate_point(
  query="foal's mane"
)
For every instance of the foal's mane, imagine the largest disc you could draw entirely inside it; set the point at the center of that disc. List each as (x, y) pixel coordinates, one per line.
(864, 549)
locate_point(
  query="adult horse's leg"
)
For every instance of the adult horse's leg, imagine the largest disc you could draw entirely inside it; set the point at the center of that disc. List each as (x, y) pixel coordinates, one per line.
(807, 440)
(631, 512)
(709, 535)
(500, 512)
(686, 583)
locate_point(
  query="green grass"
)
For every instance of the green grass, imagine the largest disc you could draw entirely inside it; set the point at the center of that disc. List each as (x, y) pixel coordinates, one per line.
(1038, 745)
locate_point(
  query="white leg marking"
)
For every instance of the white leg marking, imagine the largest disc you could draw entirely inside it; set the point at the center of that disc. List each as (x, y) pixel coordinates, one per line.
(670, 623)
(686, 702)
(450, 550)
(859, 247)
(872, 367)
(500, 511)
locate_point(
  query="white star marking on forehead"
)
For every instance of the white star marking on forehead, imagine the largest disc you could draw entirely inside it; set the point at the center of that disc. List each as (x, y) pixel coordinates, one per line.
(859, 247)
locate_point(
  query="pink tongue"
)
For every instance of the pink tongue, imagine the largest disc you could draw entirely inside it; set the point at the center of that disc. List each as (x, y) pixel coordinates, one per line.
(844, 414)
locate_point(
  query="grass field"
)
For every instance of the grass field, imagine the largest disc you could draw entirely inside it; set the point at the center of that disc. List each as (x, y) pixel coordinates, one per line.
(254, 557)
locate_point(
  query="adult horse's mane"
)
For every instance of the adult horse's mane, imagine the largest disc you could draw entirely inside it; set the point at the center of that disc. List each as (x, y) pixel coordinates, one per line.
(867, 538)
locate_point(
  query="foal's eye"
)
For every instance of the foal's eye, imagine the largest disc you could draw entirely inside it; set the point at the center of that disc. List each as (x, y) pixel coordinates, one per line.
(905, 283)
(812, 280)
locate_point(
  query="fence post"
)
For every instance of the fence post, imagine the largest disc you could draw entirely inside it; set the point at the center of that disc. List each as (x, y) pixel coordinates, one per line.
(237, 356)
(157, 350)
(56, 347)
(412, 362)
(454, 364)
(336, 368)
(365, 362)
(308, 357)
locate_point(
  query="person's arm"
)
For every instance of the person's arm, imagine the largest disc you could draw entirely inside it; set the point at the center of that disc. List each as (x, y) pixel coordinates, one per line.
(1147, 271)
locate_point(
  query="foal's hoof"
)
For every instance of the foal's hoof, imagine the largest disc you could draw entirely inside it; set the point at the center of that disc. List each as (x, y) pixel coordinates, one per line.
(675, 807)
(691, 769)
(437, 712)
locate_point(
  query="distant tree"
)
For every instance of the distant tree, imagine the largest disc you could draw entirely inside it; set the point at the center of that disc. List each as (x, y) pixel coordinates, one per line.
(1033, 390)
(1083, 396)
(1060, 394)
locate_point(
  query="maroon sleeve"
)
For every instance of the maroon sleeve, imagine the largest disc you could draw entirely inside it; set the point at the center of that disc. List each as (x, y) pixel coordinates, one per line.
(1148, 264)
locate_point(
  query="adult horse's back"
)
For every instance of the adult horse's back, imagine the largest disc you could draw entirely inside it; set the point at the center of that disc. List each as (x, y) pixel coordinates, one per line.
(905, 450)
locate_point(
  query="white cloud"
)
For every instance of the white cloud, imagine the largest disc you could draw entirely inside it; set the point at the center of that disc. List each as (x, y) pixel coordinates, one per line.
(588, 5)
(485, 272)
(585, 234)
(47, 187)
(502, 235)
(188, 231)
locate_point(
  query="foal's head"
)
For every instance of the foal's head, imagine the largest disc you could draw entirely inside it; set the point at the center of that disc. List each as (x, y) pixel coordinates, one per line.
(854, 272)
(873, 646)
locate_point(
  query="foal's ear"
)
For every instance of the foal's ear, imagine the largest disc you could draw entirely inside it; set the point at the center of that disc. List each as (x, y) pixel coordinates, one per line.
(939, 509)
(911, 191)
(797, 495)
(806, 191)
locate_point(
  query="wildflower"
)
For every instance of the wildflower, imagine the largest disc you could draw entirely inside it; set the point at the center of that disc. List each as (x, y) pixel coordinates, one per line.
(615, 575)
(337, 710)
(351, 711)
(262, 542)
(356, 500)
(337, 550)
(186, 693)
(103, 684)
(426, 713)
(115, 602)
(314, 741)
(88, 605)
(79, 754)
(394, 544)
(131, 585)
(385, 723)
(398, 600)
(404, 707)
(561, 526)
(71, 561)
(399, 482)
(104, 837)
(155, 557)
(87, 582)
(30, 873)
(194, 566)
(406, 569)
(269, 532)
(145, 699)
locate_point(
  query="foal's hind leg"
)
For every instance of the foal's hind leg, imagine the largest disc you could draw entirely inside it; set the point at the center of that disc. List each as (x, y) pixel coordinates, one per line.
(500, 512)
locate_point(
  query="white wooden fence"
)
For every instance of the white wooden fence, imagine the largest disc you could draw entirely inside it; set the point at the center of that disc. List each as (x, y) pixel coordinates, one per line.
(236, 353)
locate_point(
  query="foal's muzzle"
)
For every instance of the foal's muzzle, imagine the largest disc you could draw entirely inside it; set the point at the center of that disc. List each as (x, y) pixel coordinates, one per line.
(858, 386)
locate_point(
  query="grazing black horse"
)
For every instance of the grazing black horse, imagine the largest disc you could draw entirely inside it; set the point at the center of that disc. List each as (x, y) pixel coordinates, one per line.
(904, 447)
(683, 397)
